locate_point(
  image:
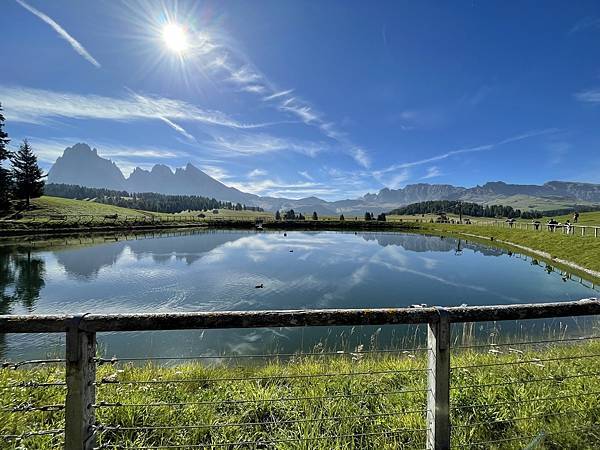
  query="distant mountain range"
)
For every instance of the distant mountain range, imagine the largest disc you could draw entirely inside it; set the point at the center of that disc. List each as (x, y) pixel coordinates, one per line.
(81, 165)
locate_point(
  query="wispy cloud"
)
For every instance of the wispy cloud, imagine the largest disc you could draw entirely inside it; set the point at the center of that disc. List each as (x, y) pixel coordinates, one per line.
(178, 128)
(247, 78)
(216, 172)
(38, 106)
(306, 175)
(589, 96)
(126, 156)
(278, 94)
(257, 173)
(432, 172)
(479, 148)
(260, 143)
(584, 24)
(361, 157)
(61, 32)
(278, 188)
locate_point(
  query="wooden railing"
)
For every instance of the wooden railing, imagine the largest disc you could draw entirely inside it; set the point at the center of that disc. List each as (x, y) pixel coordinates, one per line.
(81, 360)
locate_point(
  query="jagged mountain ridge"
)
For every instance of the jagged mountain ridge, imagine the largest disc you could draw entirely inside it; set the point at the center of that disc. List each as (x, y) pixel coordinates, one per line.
(82, 165)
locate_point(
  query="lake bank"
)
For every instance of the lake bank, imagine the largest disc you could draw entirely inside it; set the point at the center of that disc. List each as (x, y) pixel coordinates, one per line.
(349, 400)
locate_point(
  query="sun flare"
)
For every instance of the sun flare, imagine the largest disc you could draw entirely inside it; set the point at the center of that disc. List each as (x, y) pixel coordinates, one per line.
(175, 38)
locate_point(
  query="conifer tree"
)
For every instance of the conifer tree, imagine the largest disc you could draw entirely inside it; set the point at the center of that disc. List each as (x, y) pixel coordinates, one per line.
(5, 176)
(27, 175)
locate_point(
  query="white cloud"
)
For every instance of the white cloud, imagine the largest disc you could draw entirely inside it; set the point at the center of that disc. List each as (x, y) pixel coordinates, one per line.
(48, 150)
(432, 172)
(306, 175)
(249, 79)
(244, 75)
(398, 180)
(585, 23)
(589, 96)
(216, 172)
(261, 143)
(38, 106)
(257, 173)
(277, 187)
(178, 128)
(61, 32)
(479, 148)
(304, 112)
(361, 157)
(254, 88)
(278, 94)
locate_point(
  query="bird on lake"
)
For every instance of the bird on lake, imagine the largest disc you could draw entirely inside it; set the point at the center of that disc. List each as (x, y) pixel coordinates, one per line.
(259, 286)
(291, 251)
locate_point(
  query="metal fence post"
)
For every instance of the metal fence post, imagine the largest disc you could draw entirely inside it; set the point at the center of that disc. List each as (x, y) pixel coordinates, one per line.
(81, 391)
(438, 383)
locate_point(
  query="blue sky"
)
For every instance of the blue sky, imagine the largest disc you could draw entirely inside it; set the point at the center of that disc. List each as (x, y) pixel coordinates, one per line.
(328, 98)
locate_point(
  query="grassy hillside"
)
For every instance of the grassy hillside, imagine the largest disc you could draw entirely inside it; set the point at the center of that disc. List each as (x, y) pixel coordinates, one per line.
(526, 202)
(582, 250)
(45, 206)
(587, 218)
(328, 402)
(56, 206)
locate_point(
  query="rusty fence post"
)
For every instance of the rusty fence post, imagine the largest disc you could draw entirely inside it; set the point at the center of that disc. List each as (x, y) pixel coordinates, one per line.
(438, 383)
(81, 391)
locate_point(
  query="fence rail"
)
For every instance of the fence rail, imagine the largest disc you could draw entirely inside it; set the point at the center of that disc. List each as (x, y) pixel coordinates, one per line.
(445, 398)
(570, 229)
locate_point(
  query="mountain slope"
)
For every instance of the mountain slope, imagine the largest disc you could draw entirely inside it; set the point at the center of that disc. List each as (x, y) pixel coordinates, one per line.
(83, 166)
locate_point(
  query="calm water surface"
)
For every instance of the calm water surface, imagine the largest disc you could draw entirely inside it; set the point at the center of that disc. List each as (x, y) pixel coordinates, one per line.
(218, 270)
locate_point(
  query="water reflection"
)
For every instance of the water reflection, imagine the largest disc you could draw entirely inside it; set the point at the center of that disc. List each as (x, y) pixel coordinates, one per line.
(218, 270)
(21, 281)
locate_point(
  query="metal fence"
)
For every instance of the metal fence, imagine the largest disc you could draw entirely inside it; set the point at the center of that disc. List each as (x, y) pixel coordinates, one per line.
(450, 391)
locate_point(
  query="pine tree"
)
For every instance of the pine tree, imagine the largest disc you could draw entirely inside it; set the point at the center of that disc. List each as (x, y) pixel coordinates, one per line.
(5, 176)
(314, 216)
(342, 218)
(277, 215)
(27, 174)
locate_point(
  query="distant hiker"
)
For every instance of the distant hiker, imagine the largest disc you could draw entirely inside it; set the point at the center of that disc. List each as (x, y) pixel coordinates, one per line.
(575, 217)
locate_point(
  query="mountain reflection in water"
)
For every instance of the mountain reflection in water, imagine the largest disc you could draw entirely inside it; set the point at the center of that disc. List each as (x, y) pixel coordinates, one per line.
(218, 270)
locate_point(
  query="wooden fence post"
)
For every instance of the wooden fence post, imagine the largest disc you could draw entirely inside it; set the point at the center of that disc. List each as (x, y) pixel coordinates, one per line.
(81, 391)
(438, 383)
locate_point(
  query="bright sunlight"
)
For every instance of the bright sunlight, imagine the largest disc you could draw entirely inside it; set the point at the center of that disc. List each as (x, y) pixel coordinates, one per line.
(175, 37)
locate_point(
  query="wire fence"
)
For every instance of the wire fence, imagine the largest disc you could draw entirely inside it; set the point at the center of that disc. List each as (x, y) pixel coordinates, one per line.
(538, 226)
(451, 385)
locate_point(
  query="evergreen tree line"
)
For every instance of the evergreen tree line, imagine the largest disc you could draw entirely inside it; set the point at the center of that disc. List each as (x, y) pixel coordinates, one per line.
(477, 210)
(24, 180)
(146, 201)
(370, 216)
(291, 215)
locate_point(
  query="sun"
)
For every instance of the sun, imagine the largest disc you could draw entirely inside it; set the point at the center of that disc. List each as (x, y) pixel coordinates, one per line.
(175, 37)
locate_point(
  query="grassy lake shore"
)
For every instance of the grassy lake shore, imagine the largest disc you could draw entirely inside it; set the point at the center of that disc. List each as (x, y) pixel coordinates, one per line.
(346, 401)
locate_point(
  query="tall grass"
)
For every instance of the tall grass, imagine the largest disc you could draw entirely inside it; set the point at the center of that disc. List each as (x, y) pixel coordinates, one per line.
(511, 395)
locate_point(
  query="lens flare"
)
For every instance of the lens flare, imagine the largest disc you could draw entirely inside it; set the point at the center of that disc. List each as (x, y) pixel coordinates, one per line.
(175, 38)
